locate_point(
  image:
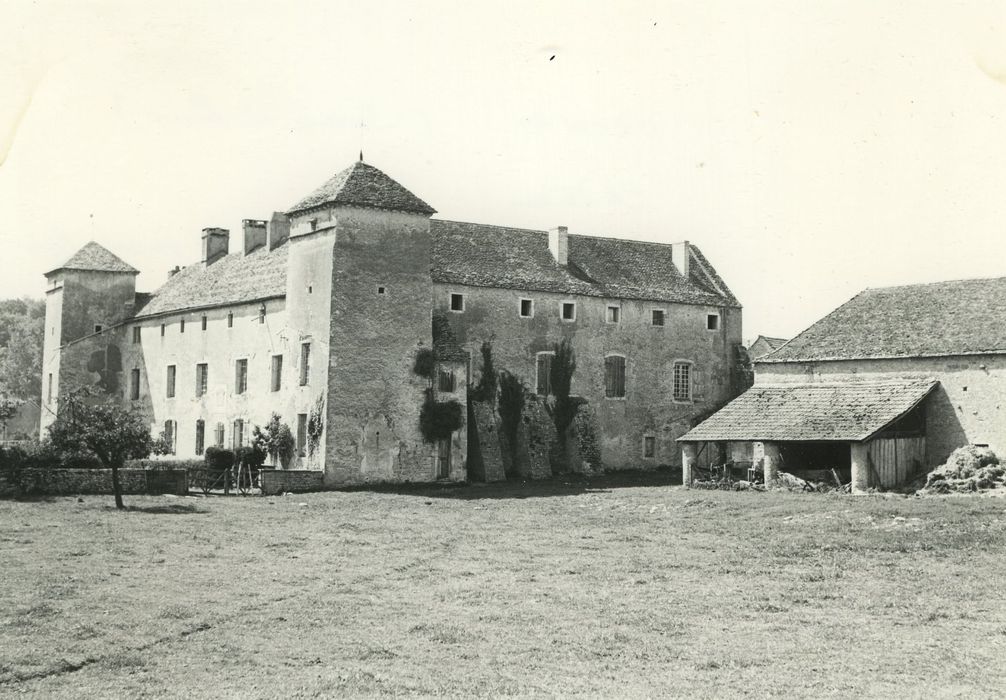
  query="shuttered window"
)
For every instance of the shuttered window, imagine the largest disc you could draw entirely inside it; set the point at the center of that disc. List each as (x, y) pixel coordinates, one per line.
(302, 434)
(305, 363)
(241, 376)
(170, 435)
(202, 378)
(219, 437)
(134, 384)
(277, 372)
(171, 381)
(239, 433)
(543, 372)
(446, 382)
(200, 436)
(614, 377)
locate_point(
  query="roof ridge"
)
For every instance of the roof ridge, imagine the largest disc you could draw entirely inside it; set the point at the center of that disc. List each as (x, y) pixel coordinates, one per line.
(630, 240)
(475, 223)
(929, 284)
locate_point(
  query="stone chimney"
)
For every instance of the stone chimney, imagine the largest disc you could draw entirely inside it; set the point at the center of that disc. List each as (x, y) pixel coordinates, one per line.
(680, 257)
(216, 244)
(279, 229)
(255, 235)
(558, 244)
(174, 271)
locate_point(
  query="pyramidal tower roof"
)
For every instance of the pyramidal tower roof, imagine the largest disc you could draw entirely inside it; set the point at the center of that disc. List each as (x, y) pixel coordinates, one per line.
(366, 186)
(95, 257)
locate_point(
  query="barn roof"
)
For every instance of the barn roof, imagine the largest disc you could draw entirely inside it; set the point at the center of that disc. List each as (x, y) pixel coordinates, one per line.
(962, 317)
(95, 257)
(363, 185)
(849, 411)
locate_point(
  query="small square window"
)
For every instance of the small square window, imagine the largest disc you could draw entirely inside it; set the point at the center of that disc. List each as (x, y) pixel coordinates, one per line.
(97, 328)
(712, 322)
(649, 447)
(658, 317)
(457, 302)
(526, 308)
(381, 290)
(614, 314)
(569, 311)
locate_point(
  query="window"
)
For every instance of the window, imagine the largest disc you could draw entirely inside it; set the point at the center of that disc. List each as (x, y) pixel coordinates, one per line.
(97, 328)
(170, 431)
(301, 434)
(568, 311)
(171, 382)
(543, 371)
(457, 302)
(136, 334)
(240, 376)
(277, 373)
(614, 314)
(305, 363)
(682, 381)
(310, 289)
(712, 322)
(381, 290)
(134, 384)
(526, 308)
(49, 390)
(649, 447)
(239, 433)
(261, 314)
(202, 378)
(657, 318)
(181, 326)
(230, 319)
(162, 330)
(614, 377)
(314, 224)
(200, 436)
(219, 437)
(446, 382)
(204, 322)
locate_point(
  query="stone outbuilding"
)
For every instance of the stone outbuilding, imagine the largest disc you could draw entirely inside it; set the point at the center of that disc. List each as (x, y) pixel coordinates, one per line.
(881, 389)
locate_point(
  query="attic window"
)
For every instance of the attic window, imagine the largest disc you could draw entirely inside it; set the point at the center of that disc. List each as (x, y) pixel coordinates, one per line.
(614, 314)
(526, 308)
(457, 302)
(657, 318)
(568, 311)
(712, 322)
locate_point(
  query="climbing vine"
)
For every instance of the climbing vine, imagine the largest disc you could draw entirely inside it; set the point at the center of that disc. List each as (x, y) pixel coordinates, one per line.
(439, 419)
(315, 425)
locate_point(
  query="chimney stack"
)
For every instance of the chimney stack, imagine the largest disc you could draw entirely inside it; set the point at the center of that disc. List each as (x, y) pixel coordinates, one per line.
(680, 257)
(175, 271)
(279, 229)
(255, 235)
(558, 244)
(216, 244)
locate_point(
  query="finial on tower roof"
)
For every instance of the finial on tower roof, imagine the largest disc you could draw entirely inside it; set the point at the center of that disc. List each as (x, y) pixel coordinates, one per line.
(361, 155)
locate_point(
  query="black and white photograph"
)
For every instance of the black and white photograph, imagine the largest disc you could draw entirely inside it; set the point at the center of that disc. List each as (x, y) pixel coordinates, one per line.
(536, 349)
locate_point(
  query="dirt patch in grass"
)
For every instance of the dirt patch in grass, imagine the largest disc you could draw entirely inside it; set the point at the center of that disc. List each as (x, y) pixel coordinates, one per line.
(598, 587)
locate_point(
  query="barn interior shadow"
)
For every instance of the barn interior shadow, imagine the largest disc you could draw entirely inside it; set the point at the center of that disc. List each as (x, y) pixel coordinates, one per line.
(165, 509)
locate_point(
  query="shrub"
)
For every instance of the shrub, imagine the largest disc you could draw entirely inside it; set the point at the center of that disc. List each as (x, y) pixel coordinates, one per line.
(27, 467)
(275, 440)
(219, 459)
(250, 456)
(561, 376)
(425, 364)
(439, 419)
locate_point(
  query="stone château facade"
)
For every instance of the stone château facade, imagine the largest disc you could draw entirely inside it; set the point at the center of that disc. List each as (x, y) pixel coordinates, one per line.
(320, 312)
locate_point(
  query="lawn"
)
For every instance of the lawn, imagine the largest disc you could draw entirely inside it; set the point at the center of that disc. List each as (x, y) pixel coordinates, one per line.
(618, 587)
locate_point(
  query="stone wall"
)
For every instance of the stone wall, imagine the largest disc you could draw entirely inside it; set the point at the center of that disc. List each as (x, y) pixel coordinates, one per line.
(968, 407)
(66, 482)
(648, 407)
(276, 481)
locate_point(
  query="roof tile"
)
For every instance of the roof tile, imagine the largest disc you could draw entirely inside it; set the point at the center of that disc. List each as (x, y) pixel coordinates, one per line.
(95, 257)
(364, 185)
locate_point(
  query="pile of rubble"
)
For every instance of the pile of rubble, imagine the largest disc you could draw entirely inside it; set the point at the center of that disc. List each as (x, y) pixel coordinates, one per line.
(968, 469)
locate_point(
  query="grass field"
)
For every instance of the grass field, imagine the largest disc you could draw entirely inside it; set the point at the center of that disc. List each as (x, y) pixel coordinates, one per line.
(620, 587)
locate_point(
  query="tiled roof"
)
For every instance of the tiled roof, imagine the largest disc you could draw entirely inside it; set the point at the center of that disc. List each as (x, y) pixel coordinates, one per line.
(851, 411)
(476, 255)
(364, 185)
(764, 345)
(232, 279)
(495, 256)
(95, 257)
(963, 317)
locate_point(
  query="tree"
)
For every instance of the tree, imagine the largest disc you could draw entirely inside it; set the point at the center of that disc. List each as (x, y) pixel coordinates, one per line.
(8, 409)
(561, 376)
(21, 332)
(110, 433)
(275, 440)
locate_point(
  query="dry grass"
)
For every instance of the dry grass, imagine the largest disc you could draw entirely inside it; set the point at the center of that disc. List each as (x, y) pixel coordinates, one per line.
(606, 590)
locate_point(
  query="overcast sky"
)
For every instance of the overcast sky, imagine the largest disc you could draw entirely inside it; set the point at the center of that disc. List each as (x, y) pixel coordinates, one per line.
(809, 149)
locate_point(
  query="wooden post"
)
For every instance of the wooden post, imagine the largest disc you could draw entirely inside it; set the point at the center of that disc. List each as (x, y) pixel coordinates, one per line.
(860, 456)
(688, 454)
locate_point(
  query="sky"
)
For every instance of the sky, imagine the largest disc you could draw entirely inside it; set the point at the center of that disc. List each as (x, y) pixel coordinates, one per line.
(810, 150)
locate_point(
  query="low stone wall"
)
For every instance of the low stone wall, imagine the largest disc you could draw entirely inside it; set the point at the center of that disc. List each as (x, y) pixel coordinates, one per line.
(276, 481)
(71, 482)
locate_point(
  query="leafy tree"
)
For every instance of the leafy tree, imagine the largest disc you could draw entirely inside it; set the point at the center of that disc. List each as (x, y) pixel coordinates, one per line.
(275, 440)
(511, 406)
(21, 332)
(8, 409)
(561, 376)
(110, 433)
